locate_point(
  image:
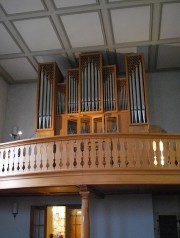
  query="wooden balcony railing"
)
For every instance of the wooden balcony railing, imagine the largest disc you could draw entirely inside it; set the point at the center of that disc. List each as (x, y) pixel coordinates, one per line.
(100, 152)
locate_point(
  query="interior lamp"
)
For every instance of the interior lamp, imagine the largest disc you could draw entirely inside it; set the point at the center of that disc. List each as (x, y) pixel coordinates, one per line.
(15, 209)
(16, 133)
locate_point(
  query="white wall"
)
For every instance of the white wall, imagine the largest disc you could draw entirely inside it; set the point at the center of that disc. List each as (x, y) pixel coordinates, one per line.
(3, 105)
(164, 100)
(126, 216)
(21, 110)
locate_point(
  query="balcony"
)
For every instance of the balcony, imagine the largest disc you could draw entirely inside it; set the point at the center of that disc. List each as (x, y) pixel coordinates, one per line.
(98, 159)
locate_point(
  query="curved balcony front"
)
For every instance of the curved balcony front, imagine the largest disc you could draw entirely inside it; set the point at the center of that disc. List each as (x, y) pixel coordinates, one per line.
(98, 159)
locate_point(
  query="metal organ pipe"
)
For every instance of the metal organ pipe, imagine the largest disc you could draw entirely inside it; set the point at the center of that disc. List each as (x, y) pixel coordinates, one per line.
(47, 105)
(85, 88)
(142, 93)
(82, 91)
(89, 85)
(99, 96)
(69, 94)
(96, 88)
(45, 101)
(73, 94)
(40, 114)
(138, 94)
(109, 90)
(50, 105)
(113, 91)
(92, 85)
(131, 97)
(136, 88)
(134, 97)
(76, 95)
(60, 102)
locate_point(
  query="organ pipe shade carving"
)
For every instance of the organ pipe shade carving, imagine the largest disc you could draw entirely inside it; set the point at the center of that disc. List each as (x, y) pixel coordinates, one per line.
(136, 81)
(90, 82)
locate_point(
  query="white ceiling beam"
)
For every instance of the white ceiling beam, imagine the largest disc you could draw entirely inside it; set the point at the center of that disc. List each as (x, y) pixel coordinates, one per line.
(62, 34)
(155, 31)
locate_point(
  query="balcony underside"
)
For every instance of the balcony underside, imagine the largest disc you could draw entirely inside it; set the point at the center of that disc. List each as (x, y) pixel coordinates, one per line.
(100, 182)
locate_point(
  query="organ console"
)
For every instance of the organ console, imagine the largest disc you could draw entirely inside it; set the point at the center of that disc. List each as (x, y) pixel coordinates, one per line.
(91, 99)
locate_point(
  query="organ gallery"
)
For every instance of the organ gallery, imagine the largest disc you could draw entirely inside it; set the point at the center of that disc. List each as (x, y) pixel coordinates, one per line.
(92, 99)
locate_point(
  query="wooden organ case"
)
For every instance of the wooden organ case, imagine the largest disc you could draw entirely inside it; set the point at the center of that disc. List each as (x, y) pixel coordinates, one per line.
(92, 99)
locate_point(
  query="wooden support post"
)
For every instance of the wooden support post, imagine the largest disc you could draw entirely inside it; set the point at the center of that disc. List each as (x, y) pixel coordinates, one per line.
(85, 233)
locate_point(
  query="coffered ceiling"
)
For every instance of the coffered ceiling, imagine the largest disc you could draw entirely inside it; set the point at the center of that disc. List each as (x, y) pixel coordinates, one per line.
(33, 31)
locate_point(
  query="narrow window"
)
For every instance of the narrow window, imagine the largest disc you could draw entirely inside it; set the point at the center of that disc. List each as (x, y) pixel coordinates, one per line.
(38, 221)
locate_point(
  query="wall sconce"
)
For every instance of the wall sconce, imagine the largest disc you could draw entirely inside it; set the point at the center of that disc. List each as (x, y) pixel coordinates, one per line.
(15, 209)
(16, 133)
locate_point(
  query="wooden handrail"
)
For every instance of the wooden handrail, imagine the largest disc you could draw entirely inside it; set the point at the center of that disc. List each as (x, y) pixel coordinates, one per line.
(86, 136)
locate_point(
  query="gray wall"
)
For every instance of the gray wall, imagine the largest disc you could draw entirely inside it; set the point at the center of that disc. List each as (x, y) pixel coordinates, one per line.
(3, 105)
(21, 110)
(164, 100)
(125, 216)
(169, 205)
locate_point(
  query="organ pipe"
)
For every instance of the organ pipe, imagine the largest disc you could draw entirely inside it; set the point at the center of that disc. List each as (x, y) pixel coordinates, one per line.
(90, 84)
(109, 88)
(136, 89)
(72, 91)
(122, 95)
(45, 100)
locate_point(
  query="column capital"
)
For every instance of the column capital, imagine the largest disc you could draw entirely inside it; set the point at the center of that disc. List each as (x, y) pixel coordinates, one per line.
(84, 194)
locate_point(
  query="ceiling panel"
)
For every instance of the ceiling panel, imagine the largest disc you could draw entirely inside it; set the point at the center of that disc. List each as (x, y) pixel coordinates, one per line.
(72, 3)
(19, 6)
(58, 30)
(170, 21)
(168, 56)
(19, 69)
(7, 44)
(131, 24)
(83, 29)
(38, 34)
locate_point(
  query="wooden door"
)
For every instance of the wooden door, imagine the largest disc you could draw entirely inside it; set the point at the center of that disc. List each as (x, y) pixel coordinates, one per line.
(75, 223)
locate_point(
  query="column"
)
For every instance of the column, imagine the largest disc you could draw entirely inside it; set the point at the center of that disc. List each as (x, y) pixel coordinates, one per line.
(85, 230)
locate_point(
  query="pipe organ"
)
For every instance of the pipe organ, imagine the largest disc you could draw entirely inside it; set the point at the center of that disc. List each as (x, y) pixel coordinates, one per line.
(91, 99)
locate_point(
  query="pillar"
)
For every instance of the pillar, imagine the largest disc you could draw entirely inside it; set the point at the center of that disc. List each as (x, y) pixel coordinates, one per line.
(85, 227)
